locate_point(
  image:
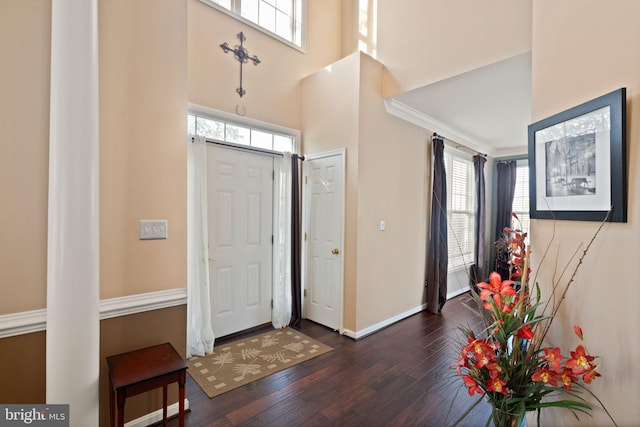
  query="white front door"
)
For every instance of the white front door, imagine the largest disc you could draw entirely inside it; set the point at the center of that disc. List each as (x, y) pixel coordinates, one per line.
(324, 203)
(240, 198)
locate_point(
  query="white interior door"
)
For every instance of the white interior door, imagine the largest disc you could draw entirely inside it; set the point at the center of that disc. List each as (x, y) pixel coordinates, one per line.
(240, 198)
(324, 203)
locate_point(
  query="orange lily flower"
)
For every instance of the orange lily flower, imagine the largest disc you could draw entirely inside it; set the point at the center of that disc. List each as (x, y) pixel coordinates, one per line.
(580, 361)
(545, 375)
(591, 375)
(496, 384)
(578, 330)
(567, 378)
(525, 332)
(554, 358)
(495, 289)
(472, 385)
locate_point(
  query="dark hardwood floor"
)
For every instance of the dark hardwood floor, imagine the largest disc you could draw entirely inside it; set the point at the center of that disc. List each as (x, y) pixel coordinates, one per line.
(399, 376)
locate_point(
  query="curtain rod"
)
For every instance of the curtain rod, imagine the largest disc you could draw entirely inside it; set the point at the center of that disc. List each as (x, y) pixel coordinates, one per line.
(458, 146)
(243, 147)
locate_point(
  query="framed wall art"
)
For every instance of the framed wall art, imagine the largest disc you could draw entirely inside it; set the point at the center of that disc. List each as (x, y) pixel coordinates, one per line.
(577, 162)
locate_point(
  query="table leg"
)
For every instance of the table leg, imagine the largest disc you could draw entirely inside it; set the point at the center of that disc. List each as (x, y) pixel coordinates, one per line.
(112, 404)
(164, 405)
(181, 381)
(121, 398)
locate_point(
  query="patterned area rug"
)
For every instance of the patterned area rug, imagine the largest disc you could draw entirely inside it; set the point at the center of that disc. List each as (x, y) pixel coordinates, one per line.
(237, 363)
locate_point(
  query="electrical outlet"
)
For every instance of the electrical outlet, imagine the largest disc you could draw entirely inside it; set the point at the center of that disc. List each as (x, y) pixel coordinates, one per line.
(153, 229)
(382, 225)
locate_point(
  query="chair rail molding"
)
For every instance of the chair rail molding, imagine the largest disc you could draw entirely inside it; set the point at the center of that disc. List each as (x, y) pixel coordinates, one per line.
(27, 322)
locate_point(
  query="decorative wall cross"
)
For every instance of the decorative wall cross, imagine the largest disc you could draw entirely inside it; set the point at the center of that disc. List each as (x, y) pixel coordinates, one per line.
(242, 55)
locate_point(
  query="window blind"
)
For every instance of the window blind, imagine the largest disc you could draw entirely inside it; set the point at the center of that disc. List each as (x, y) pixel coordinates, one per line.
(460, 210)
(521, 196)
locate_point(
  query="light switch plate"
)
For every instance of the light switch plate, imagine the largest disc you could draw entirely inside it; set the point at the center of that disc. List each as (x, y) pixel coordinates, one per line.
(153, 229)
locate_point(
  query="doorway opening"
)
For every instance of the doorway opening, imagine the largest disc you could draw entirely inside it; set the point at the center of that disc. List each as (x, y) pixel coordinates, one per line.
(242, 201)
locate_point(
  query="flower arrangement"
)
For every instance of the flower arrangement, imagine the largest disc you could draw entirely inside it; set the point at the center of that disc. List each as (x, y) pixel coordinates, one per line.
(508, 363)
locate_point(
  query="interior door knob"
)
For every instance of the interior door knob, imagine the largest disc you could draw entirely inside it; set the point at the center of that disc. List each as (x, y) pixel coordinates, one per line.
(336, 251)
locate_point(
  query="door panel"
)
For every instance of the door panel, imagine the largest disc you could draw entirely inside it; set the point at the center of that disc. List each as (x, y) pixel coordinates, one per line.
(240, 194)
(325, 205)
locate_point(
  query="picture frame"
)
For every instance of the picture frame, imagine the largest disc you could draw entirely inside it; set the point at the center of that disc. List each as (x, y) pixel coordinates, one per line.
(577, 162)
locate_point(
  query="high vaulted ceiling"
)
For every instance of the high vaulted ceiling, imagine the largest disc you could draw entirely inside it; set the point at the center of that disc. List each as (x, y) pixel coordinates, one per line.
(487, 109)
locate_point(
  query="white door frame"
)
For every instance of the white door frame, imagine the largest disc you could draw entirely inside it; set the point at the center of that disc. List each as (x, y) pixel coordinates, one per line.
(305, 222)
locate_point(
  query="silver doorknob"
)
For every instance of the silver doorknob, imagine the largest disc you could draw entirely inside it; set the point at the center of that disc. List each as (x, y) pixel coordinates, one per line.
(336, 251)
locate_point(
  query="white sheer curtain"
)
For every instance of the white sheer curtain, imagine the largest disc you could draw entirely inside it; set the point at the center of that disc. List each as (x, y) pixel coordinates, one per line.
(281, 312)
(200, 337)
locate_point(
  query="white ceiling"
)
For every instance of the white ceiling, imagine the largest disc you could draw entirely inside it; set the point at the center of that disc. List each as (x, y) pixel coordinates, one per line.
(487, 109)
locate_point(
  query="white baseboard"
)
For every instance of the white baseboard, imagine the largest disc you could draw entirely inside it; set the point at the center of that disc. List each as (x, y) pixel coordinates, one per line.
(458, 292)
(156, 416)
(371, 329)
(374, 328)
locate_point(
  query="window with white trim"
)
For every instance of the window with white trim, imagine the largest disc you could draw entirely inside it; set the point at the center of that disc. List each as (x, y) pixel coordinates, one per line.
(521, 195)
(281, 18)
(240, 134)
(460, 210)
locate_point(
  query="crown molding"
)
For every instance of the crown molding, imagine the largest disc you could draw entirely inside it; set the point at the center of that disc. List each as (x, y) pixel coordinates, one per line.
(418, 118)
(27, 322)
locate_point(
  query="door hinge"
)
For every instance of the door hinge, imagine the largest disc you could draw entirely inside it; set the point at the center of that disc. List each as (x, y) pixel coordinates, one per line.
(271, 303)
(305, 237)
(305, 293)
(273, 175)
(272, 238)
(305, 179)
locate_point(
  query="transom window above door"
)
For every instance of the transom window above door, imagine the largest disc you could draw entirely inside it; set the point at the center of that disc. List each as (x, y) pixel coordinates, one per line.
(283, 19)
(240, 134)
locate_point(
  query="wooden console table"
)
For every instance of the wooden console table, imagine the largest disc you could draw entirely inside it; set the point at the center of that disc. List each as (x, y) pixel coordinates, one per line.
(143, 370)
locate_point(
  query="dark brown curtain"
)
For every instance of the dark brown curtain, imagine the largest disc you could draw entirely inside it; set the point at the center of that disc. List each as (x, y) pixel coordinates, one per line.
(438, 250)
(506, 180)
(296, 277)
(480, 257)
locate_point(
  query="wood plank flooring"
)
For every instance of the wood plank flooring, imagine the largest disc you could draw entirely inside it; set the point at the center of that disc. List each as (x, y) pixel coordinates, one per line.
(399, 376)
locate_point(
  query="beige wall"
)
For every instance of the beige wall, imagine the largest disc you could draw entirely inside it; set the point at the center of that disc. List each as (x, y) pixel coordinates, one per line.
(583, 49)
(330, 121)
(25, 26)
(143, 102)
(349, 26)
(392, 185)
(143, 175)
(273, 87)
(143, 97)
(386, 176)
(152, 64)
(427, 41)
